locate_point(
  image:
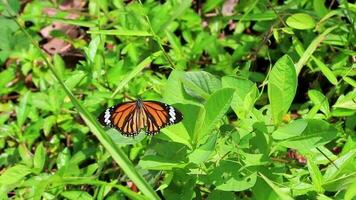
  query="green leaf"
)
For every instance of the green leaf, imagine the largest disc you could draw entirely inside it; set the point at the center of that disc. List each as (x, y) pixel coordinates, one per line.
(202, 153)
(311, 48)
(93, 48)
(315, 174)
(347, 101)
(120, 139)
(75, 195)
(283, 193)
(320, 101)
(325, 70)
(215, 108)
(344, 162)
(39, 158)
(300, 21)
(292, 129)
(23, 109)
(282, 86)
(211, 4)
(227, 177)
(317, 133)
(350, 81)
(244, 97)
(200, 84)
(59, 65)
(153, 162)
(14, 174)
(176, 133)
(350, 192)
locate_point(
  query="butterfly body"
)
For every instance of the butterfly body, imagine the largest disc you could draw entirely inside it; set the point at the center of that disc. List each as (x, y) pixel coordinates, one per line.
(132, 117)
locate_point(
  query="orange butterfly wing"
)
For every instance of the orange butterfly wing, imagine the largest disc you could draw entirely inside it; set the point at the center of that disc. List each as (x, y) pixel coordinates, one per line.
(131, 117)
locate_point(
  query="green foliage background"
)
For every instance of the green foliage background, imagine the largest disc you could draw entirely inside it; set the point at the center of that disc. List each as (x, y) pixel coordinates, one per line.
(267, 93)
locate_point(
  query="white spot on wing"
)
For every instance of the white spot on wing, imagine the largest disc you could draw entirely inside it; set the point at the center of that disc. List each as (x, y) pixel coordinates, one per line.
(172, 114)
(107, 116)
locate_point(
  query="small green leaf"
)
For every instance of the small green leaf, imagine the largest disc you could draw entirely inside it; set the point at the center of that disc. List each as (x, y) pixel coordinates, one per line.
(350, 81)
(325, 70)
(39, 158)
(300, 21)
(59, 65)
(292, 129)
(23, 109)
(320, 101)
(282, 86)
(93, 47)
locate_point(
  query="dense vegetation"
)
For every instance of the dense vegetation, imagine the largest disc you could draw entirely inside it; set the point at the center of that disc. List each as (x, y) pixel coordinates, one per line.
(267, 90)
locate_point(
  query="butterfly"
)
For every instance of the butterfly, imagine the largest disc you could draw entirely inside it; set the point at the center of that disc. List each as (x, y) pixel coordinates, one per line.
(131, 117)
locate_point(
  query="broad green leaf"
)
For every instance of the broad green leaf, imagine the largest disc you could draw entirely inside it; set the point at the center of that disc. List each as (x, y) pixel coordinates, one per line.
(153, 162)
(283, 193)
(292, 129)
(320, 101)
(75, 195)
(174, 92)
(300, 21)
(282, 86)
(317, 133)
(202, 153)
(215, 108)
(315, 174)
(39, 158)
(176, 133)
(200, 84)
(227, 177)
(245, 94)
(14, 174)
